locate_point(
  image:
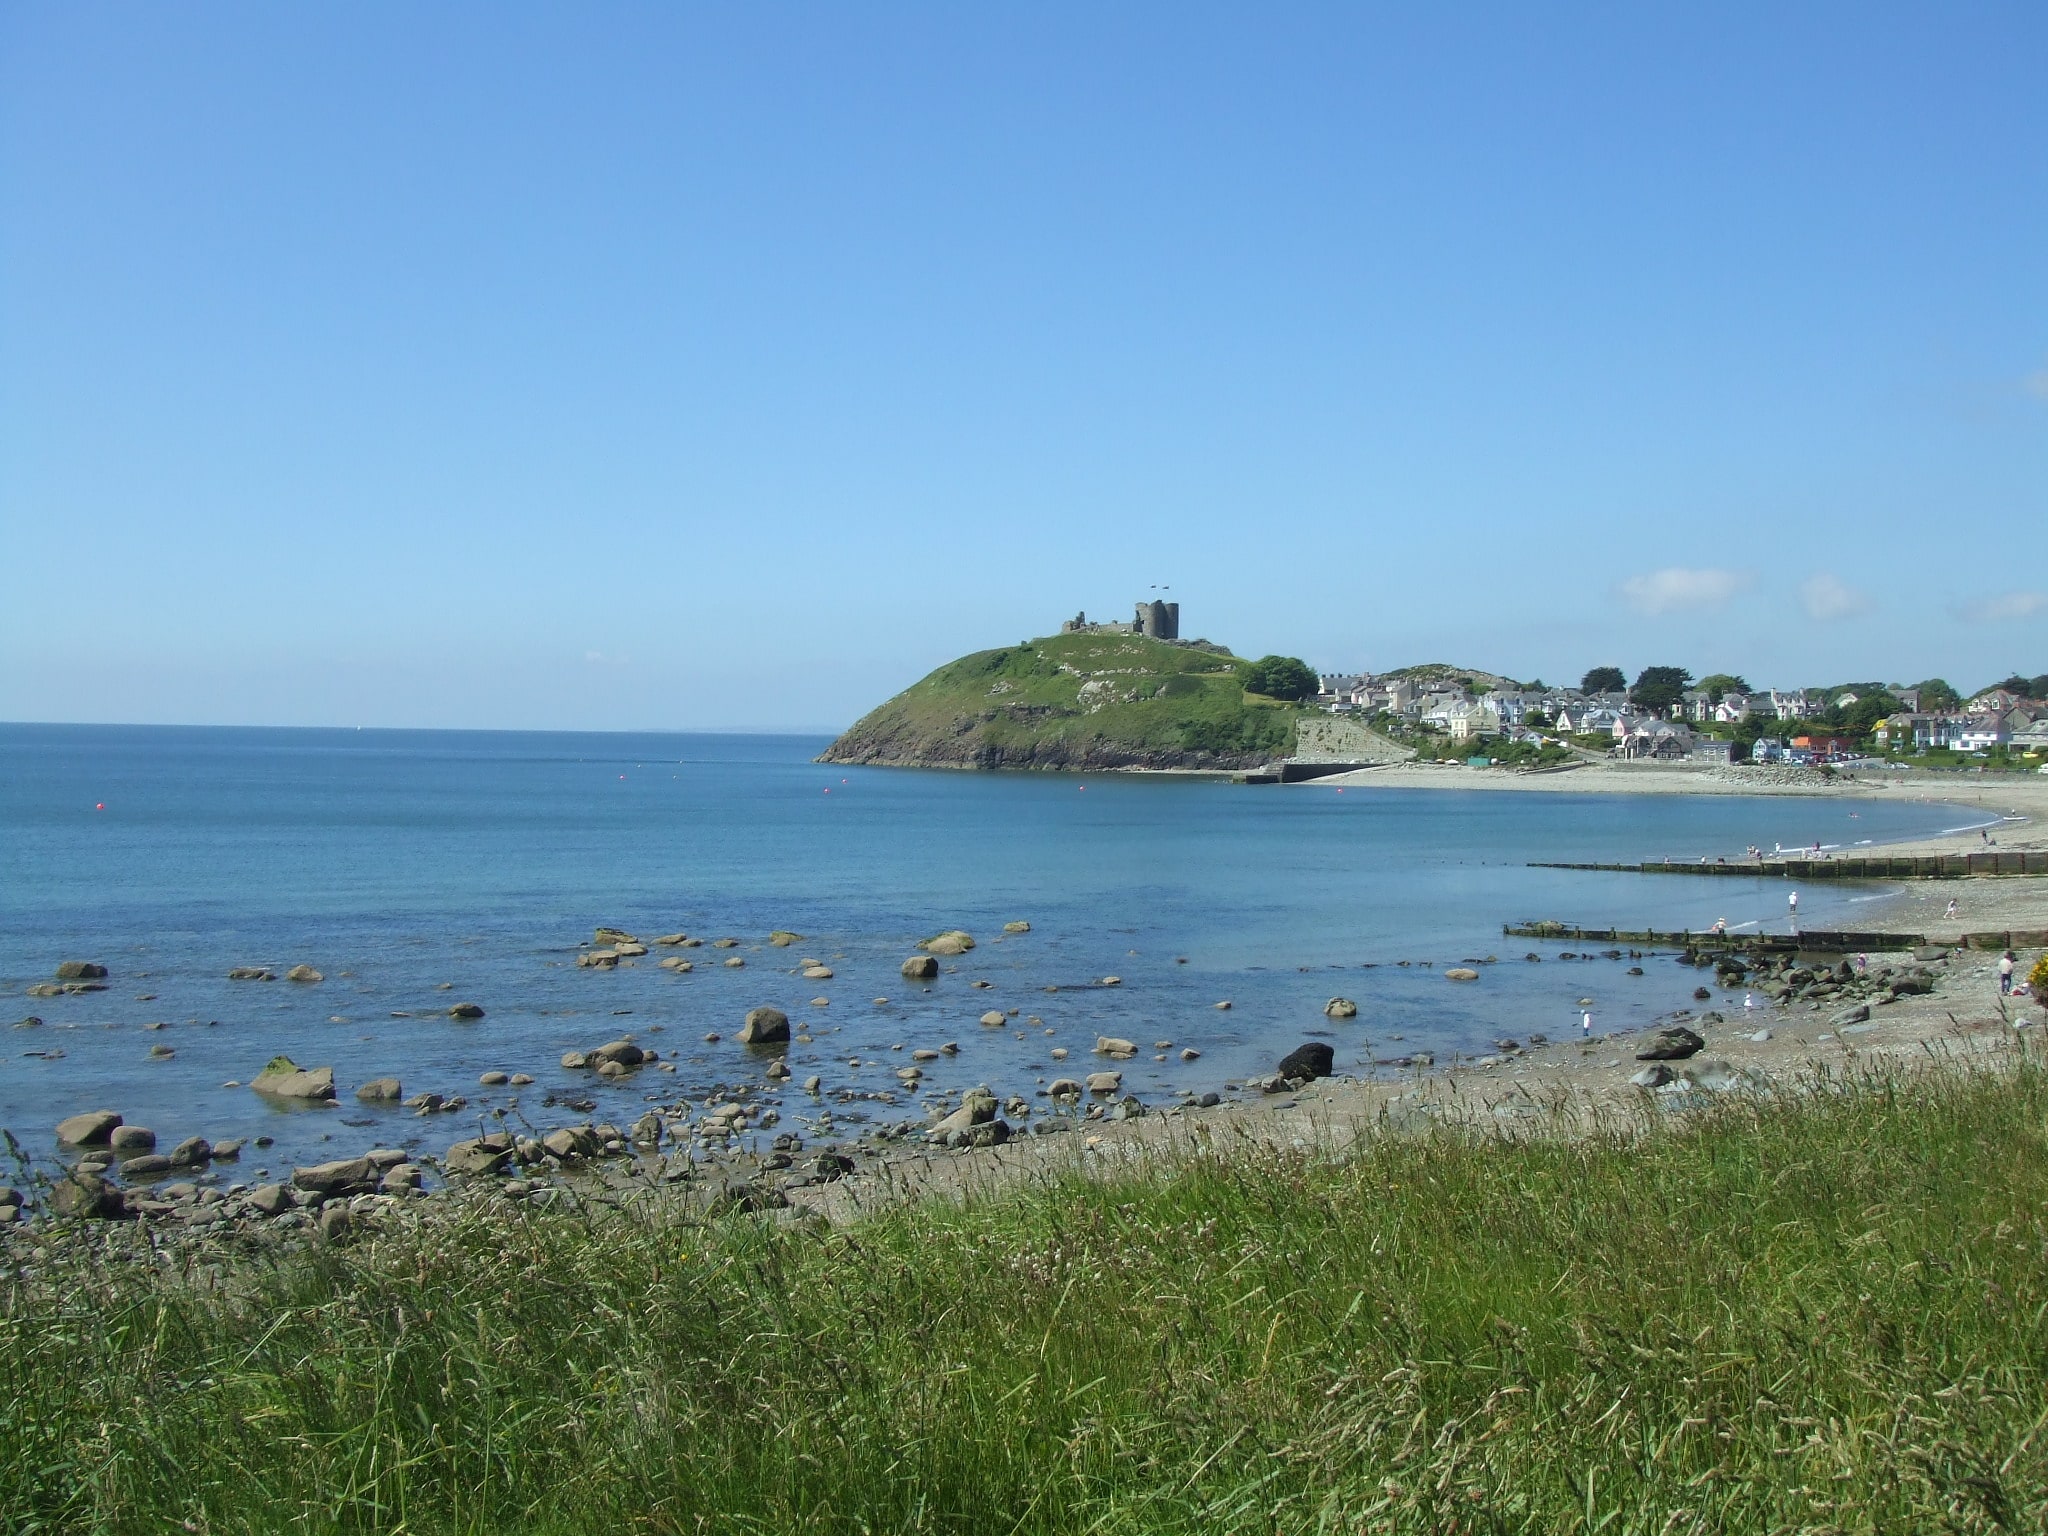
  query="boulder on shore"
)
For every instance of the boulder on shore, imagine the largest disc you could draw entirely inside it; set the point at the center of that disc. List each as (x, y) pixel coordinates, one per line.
(1313, 1058)
(284, 1078)
(91, 1129)
(977, 1107)
(764, 1026)
(480, 1154)
(346, 1176)
(82, 1192)
(1674, 1043)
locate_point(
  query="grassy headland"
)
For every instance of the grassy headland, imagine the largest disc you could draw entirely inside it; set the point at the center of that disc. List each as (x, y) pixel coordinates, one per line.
(1826, 1313)
(1076, 701)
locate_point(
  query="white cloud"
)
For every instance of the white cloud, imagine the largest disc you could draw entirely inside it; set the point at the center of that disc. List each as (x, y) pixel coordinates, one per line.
(2001, 607)
(1676, 589)
(1826, 597)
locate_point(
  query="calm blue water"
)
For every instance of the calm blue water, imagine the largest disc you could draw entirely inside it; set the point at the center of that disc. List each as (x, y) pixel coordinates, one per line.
(397, 861)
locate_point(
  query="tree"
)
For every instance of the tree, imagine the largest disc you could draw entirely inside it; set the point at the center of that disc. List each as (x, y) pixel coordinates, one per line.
(1936, 695)
(1281, 677)
(1718, 685)
(1863, 716)
(1660, 688)
(2025, 687)
(1604, 680)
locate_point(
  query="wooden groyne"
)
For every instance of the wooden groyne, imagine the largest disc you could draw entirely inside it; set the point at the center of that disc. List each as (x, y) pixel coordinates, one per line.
(1819, 940)
(1831, 941)
(1872, 866)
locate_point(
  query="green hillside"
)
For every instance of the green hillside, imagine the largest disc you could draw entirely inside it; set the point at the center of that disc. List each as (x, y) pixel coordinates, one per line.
(1076, 701)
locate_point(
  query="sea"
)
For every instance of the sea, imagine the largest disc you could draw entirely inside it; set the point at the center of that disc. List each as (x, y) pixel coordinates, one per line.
(418, 869)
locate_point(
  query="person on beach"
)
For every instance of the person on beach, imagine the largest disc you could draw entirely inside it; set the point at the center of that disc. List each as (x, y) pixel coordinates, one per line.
(1792, 907)
(2005, 962)
(1953, 908)
(1748, 1002)
(1586, 1024)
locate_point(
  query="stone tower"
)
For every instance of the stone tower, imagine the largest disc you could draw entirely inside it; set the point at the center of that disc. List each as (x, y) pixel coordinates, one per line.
(1159, 620)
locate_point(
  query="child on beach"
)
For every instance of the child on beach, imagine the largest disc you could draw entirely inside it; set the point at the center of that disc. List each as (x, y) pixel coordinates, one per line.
(2005, 963)
(1953, 908)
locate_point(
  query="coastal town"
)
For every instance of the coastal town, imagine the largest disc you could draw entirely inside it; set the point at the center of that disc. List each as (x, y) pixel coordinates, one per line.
(1667, 718)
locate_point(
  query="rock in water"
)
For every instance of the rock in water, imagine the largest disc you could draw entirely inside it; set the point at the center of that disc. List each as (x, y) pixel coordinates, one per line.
(1312, 1059)
(920, 968)
(381, 1090)
(465, 1011)
(1105, 1082)
(764, 1026)
(132, 1138)
(604, 938)
(91, 1129)
(192, 1152)
(1673, 1044)
(284, 1078)
(81, 970)
(1016, 927)
(951, 942)
(1461, 973)
(250, 973)
(304, 974)
(1341, 1008)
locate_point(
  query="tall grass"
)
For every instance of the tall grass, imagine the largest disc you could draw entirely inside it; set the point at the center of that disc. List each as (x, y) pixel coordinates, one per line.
(1824, 1315)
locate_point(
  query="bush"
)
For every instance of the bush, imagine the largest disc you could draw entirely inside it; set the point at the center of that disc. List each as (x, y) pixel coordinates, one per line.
(1281, 677)
(2037, 981)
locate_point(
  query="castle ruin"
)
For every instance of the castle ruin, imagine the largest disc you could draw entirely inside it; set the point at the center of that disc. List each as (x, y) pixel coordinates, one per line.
(1157, 620)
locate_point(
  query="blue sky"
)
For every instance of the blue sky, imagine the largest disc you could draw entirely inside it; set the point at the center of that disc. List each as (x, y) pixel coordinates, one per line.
(713, 367)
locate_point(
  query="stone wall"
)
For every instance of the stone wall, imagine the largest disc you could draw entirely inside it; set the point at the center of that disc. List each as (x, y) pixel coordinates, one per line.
(1333, 738)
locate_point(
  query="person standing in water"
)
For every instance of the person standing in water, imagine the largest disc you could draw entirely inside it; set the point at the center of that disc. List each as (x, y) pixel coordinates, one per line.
(1792, 910)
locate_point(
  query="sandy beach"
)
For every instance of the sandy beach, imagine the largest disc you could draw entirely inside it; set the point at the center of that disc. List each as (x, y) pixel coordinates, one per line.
(1566, 1087)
